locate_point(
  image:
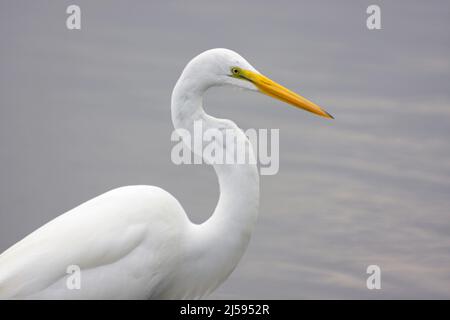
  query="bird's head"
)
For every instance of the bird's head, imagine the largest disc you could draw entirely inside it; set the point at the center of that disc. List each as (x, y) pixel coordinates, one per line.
(225, 67)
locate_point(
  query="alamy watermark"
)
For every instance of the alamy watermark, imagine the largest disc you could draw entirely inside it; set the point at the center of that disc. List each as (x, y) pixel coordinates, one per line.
(227, 146)
(73, 21)
(374, 280)
(373, 21)
(73, 281)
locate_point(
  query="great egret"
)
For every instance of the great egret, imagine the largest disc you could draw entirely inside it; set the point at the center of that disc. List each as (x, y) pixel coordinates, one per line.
(137, 242)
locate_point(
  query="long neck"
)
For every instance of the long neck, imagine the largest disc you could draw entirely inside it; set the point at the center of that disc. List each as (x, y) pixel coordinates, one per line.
(218, 243)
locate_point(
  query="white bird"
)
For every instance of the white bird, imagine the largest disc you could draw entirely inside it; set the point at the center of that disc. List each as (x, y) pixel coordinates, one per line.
(137, 242)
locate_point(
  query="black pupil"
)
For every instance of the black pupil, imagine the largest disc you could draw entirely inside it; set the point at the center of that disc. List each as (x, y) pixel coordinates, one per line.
(235, 71)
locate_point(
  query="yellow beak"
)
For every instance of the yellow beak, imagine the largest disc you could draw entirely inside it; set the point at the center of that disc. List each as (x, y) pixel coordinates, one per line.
(277, 91)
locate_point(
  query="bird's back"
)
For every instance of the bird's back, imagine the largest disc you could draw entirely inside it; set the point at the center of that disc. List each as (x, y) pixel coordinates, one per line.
(118, 240)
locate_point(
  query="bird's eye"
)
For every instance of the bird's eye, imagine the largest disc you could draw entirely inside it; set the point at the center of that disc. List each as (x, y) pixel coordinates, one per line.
(235, 71)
